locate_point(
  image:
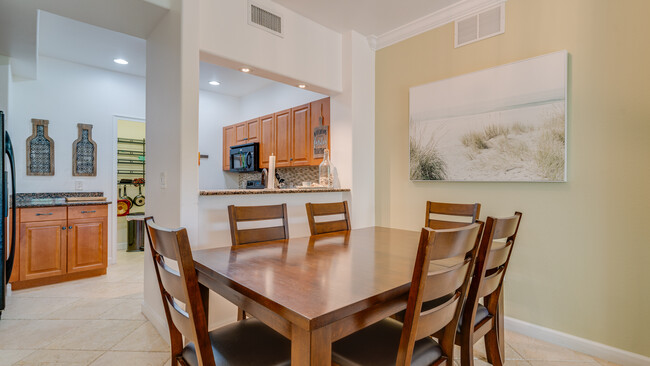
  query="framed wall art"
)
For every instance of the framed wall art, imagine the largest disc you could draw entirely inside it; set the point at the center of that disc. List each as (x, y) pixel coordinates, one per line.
(40, 149)
(503, 124)
(84, 152)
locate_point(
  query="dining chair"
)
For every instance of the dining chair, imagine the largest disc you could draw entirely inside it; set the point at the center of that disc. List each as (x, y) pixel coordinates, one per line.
(389, 342)
(227, 345)
(469, 211)
(238, 214)
(328, 209)
(486, 320)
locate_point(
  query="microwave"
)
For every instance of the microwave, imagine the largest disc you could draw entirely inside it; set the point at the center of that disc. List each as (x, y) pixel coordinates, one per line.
(245, 158)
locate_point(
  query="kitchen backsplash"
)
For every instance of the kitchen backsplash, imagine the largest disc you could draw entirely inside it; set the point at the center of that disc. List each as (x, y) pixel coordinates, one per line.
(293, 176)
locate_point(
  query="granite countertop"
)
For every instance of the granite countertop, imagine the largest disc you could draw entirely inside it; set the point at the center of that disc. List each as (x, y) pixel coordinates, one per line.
(27, 200)
(219, 192)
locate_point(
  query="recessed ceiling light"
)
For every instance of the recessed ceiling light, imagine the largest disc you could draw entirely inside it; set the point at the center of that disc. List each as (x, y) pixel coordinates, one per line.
(121, 61)
(214, 82)
(245, 69)
(302, 86)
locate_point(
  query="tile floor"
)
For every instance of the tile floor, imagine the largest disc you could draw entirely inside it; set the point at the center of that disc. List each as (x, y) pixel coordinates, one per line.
(97, 322)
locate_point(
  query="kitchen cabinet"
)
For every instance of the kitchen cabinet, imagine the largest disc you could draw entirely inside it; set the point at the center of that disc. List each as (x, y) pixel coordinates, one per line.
(288, 134)
(60, 243)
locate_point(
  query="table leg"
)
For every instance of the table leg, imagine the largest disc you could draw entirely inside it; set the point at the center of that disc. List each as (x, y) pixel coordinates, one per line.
(205, 298)
(311, 348)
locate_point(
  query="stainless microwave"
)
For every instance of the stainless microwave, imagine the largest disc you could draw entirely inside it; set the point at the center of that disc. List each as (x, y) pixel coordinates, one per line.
(245, 158)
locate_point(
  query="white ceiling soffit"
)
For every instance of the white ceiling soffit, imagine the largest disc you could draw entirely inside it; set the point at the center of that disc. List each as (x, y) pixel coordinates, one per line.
(434, 20)
(19, 23)
(74, 41)
(232, 82)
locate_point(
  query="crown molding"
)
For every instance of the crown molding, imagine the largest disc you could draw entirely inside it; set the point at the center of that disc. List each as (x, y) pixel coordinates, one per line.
(431, 21)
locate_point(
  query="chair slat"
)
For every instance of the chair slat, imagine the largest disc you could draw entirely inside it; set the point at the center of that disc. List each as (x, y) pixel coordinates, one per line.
(506, 227)
(498, 255)
(452, 243)
(171, 281)
(491, 283)
(330, 226)
(434, 319)
(259, 213)
(454, 209)
(445, 282)
(442, 224)
(248, 236)
(164, 243)
(180, 318)
(323, 209)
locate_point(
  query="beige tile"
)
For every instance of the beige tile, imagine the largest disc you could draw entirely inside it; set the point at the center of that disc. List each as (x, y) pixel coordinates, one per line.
(116, 358)
(127, 309)
(563, 363)
(85, 309)
(61, 357)
(95, 335)
(10, 356)
(479, 351)
(145, 338)
(533, 349)
(32, 334)
(34, 307)
(604, 363)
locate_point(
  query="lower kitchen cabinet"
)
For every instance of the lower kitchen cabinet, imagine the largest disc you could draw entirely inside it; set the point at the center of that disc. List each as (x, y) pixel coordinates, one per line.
(58, 244)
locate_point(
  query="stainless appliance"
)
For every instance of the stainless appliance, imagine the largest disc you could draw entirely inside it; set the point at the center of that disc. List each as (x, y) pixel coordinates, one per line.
(245, 158)
(6, 262)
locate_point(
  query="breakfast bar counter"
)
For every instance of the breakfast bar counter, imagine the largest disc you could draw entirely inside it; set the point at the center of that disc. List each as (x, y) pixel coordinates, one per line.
(221, 192)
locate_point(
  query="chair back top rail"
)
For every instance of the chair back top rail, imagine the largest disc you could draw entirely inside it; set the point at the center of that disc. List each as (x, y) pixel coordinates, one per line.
(470, 211)
(328, 209)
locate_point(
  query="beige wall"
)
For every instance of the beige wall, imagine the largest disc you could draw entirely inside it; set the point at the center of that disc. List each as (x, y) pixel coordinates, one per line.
(581, 265)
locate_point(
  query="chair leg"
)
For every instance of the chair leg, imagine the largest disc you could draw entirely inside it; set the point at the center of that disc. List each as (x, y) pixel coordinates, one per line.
(466, 350)
(241, 314)
(493, 349)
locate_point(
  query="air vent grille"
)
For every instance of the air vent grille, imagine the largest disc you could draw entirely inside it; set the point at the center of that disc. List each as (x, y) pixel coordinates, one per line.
(264, 19)
(485, 24)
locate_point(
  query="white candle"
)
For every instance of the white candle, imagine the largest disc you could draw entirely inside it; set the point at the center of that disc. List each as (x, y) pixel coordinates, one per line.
(270, 181)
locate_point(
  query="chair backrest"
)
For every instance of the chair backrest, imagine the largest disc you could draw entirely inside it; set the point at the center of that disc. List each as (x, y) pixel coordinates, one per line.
(470, 211)
(447, 285)
(491, 264)
(328, 209)
(179, 286)
(239, 214)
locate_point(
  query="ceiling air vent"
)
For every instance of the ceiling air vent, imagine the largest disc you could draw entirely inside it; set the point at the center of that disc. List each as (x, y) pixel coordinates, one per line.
(264, 19)
(485, 24)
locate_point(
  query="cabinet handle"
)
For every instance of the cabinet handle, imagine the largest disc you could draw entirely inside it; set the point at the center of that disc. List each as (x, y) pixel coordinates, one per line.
(42, 214)
(70, 227)
(88, 211)
(62, 227)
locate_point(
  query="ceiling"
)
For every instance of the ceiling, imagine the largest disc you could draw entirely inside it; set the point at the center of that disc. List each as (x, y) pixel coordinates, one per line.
(233, 82)
(368, 17)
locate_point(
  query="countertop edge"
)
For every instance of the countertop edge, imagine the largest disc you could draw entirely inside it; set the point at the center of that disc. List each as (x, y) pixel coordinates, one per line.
(32, 205)
(225, 192)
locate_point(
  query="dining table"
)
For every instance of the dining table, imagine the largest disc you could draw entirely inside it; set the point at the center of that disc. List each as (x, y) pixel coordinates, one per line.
(314, 290)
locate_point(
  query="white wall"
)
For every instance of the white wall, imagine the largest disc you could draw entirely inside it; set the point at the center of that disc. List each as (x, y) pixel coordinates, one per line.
(215, 111)
(66, 94)
(274, 98)
(5, 88)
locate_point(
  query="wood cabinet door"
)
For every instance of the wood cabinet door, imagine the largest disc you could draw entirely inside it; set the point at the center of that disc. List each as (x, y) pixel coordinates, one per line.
(300, 136)
(228, 141)
(42, 249)
(241, 133)
(253, 127)
(318, 109)
(283, 138)
(267, 139)
(87, 244)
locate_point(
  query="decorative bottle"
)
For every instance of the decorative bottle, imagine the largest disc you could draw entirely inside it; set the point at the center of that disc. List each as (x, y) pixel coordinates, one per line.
(325, 171)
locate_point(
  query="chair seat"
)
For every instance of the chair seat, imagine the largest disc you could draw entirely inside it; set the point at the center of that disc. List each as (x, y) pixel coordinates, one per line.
(378, 345)
(481, 313)
(246, 342)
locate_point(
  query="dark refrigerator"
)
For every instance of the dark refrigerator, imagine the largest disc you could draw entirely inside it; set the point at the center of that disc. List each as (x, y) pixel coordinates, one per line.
(7, 248)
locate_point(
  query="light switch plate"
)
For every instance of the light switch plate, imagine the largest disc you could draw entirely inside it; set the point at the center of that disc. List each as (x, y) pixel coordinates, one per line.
(163, 180)
(78, 185)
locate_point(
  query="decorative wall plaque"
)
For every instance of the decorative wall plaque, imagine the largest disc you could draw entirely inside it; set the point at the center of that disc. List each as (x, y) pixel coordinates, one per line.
(40, 149)
(320, 140)
(84, 152)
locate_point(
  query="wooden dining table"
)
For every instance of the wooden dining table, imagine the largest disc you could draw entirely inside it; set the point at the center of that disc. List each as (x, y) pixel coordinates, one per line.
(315, 290)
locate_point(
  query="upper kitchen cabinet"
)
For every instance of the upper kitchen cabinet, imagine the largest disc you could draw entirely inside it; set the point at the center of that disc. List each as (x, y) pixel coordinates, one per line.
(267, 139)
(300, 132)
(241, 133)
(253, 127)
(283, 138)
(229, 139)
(320, 115)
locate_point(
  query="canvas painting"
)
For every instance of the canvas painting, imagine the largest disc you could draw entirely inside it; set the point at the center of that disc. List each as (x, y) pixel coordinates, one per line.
(503, 124)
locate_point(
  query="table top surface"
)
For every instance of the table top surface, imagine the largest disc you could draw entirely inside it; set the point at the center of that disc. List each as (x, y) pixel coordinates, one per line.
(318, 279)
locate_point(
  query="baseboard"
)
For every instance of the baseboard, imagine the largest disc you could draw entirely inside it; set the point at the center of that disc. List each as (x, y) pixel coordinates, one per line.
(585, 346)
(158, 322)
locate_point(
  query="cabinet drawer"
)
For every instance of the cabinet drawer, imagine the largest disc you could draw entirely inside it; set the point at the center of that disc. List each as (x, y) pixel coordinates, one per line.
(42, 214)
(88, 211)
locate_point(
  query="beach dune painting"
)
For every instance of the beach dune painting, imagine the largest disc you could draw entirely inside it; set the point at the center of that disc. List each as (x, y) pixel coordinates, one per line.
(503, 124)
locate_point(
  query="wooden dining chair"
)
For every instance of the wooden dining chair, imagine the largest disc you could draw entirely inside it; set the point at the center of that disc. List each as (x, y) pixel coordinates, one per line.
(469, 211)
(389, 342)
(237, 214)
(486, 320)
(228, 345)
(328, 209)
